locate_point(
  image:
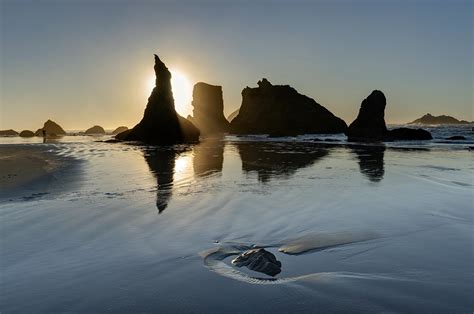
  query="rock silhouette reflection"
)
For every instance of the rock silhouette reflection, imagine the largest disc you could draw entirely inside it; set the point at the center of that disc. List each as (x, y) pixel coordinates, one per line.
(371, 161)
(162, 164)
(273, 160)
(208, 156)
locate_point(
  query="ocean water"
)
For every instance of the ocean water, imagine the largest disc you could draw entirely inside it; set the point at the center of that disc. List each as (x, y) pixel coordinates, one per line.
(128, 228)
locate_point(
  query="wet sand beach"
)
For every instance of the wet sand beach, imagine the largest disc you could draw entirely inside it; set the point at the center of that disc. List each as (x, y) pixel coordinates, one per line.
(22, 165)
(128, 228)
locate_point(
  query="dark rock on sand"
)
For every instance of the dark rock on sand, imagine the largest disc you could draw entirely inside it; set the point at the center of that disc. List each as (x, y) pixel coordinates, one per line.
(280, 109)
(233, 115)
(259, 260)
(407, 134)
(120, 129)
(8, 133)
(436, 120)
(27, 133)
(96, 129)
(370, 123)
(51, 128)
(208, 112)
(456, 138)
(160, 123)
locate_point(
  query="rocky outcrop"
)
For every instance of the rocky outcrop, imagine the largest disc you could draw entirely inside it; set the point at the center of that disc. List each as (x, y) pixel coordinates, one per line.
(280, 109)
(96, 129)
(120, 129)
(370, 123)
(208, 112)
(160, 123)
(436, 120)
(27, 133)
(51, 128)
(456, 138)
(259, 260)
(233, 115)
(407, 134)
(8, 133)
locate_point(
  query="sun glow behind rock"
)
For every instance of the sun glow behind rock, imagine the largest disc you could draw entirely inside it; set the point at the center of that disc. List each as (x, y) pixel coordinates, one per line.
(182, 91)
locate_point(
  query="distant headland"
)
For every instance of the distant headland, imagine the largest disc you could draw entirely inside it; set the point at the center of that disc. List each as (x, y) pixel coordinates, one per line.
(429, 119)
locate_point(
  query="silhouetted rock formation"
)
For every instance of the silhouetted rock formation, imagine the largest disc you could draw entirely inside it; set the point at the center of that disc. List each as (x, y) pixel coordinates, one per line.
(259, 260)
(51, 128)
(280, 109)
(160, 123)
(8, 133)
(120, 129)
(208, 112)
(162, 163)
(435, 120)
(27, 133)
(96, 129)
(456, 138)
(233, 115)
(277, 160)
(208, 156)
(371, 161)
(370, 123)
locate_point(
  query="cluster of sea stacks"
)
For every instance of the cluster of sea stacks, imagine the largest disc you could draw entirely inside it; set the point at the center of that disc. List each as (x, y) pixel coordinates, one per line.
(51, 129)
(277, 110)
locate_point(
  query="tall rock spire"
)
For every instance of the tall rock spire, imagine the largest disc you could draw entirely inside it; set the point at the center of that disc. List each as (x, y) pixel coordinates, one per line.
(161, 124)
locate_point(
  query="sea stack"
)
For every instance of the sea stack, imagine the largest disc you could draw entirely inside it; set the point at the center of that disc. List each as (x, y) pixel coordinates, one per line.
(370, 123)
(160, 123)
(119, 129)
(208, 112)
(95, 130)
(27, 133)
(51, 128)
(281, 110)
(9, 132)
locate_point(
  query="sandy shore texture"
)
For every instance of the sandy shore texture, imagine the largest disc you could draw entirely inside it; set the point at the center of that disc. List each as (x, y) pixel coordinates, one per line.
(21, 166)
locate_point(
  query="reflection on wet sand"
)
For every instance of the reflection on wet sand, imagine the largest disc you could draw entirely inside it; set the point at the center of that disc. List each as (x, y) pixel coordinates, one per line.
(272, 159)
(371, 161)
(162, 163)
(208, 156)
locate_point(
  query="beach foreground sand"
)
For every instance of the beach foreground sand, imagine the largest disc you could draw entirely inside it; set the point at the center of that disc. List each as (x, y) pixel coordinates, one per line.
(23, 165)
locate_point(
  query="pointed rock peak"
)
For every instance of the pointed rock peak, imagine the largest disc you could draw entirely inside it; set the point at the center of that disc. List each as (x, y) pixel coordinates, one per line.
(378, 95)
(163, 75)
(264, 83)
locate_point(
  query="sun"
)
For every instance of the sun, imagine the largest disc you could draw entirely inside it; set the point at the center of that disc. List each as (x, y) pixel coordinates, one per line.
(182, 91)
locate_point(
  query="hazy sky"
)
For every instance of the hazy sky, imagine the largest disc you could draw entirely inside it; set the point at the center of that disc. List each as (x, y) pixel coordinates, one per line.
(82, 63)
